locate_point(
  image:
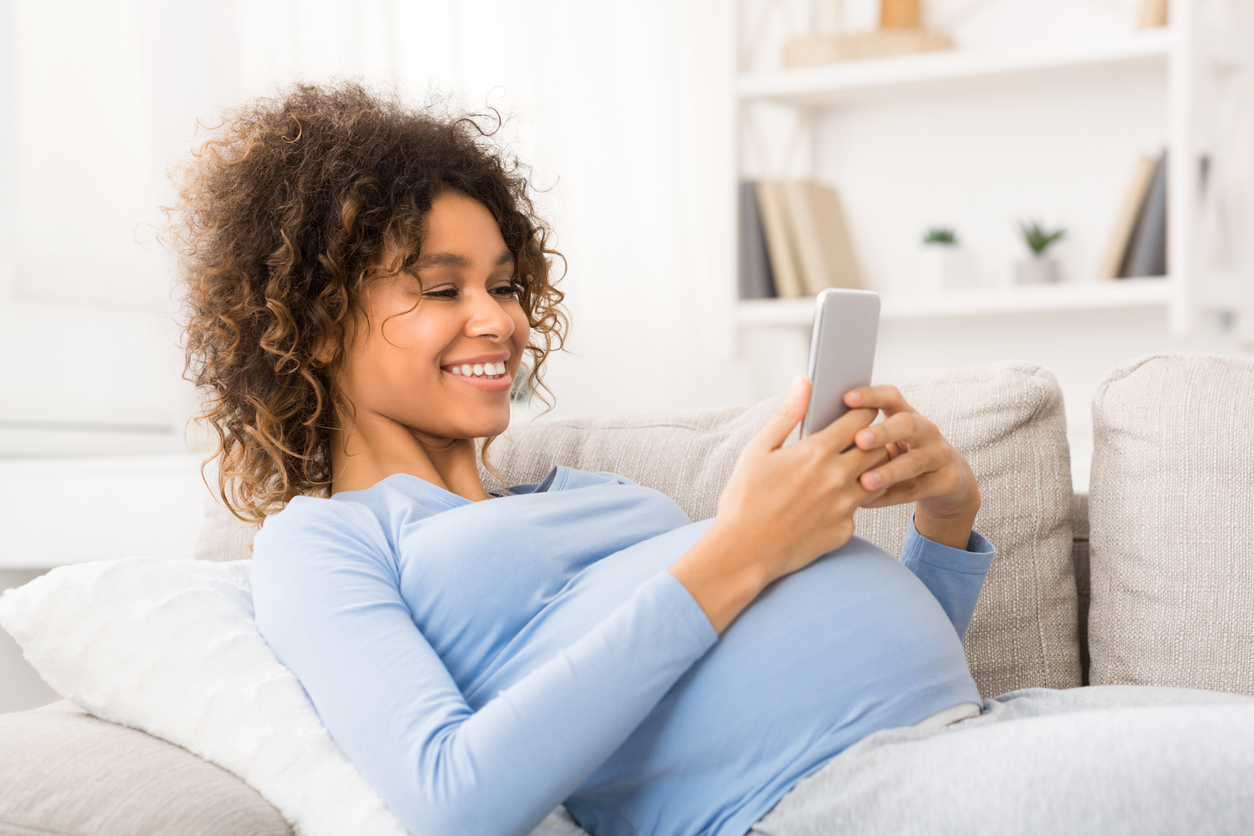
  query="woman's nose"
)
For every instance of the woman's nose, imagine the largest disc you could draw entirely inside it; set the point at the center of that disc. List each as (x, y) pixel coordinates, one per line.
(488, 318)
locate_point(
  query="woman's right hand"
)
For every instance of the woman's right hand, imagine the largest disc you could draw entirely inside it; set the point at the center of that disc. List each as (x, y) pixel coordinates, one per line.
(781, 508)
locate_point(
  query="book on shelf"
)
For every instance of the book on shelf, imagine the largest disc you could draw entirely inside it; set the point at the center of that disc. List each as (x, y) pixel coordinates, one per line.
(821, 239)
(756, 279)
(1125, 223)
(1153, 13)
(1138, 242)
(1147, 253)
(807, 242)
(776, 225)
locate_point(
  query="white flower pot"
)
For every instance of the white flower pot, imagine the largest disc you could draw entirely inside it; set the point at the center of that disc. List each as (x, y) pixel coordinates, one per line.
(944, 267)
(1038, 270)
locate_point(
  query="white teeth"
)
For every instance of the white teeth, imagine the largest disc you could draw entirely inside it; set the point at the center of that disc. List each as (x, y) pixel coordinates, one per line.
(478, 370)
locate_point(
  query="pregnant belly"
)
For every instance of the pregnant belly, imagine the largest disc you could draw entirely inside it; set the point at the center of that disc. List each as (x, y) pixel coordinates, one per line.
(850, 645)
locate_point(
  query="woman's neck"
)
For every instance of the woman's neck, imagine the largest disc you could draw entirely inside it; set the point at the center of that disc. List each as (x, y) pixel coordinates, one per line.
(373, 451)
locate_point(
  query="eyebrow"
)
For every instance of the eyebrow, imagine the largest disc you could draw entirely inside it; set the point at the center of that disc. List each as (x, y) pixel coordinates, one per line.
(455, 260)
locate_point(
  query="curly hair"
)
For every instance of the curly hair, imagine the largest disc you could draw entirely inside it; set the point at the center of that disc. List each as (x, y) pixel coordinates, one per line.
(283, 215)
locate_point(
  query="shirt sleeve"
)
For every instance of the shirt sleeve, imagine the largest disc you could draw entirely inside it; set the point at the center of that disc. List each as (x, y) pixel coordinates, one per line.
(954, 576)
(326, 592)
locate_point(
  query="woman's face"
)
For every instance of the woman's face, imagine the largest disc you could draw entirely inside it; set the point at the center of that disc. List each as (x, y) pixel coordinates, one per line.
(430, 356)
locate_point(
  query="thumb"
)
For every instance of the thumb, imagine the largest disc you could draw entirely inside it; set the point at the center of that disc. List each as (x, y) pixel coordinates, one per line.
(775, 432)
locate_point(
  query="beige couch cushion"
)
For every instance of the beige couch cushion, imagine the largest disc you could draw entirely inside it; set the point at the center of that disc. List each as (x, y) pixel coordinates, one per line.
(65, 772)
(1006, 418)
(1172, 524)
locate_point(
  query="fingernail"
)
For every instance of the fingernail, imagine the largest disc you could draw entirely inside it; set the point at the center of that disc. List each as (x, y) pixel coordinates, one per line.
(871, 481)
(854, 398)
(865, 438)
(797, 383)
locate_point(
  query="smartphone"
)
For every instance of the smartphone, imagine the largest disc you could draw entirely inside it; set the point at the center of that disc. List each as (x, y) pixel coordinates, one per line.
(842, 351)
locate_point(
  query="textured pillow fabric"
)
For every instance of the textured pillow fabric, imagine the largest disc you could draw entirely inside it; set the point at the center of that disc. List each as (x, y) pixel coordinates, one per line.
(1007, 418)
(1172, 524)
(686, 454)
(170, 647)
(65, 771)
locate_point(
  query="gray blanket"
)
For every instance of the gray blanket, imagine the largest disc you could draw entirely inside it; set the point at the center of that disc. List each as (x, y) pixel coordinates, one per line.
(1100, 760)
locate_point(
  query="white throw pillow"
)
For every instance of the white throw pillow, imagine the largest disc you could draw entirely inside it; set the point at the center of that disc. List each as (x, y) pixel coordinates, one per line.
(170, 647)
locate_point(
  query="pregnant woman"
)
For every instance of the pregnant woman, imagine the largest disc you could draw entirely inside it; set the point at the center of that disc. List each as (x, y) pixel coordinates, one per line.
(365, 282)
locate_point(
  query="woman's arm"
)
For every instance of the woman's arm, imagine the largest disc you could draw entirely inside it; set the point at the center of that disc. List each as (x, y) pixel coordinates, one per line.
(327, 599)
(953, 576)
(785, 506)
(782, 508)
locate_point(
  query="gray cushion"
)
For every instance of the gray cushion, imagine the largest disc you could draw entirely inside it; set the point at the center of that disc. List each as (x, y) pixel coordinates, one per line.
(1172, 524)
(1007, 418)
(64, 771)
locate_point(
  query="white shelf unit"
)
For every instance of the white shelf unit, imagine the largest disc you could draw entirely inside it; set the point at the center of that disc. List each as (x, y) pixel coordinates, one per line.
(1125, 293)
(949, 72)
(1204, 66)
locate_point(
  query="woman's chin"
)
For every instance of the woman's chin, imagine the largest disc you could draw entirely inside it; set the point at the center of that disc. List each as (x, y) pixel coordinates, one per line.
(483, 426)
(490, 428)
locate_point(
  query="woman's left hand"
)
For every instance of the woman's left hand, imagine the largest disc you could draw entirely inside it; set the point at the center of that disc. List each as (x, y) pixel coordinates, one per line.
(922, 467)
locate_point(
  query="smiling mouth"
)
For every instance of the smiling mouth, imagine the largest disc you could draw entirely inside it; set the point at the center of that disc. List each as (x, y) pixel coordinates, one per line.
(484, 371)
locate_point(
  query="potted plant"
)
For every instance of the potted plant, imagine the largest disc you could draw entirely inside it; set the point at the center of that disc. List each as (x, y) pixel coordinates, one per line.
(945, 262)
(1041, 267)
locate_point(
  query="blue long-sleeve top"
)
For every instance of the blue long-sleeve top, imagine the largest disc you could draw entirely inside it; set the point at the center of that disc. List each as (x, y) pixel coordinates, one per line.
(483, 662)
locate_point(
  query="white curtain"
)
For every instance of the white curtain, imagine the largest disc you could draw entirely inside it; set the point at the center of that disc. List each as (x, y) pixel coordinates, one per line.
(625, 111)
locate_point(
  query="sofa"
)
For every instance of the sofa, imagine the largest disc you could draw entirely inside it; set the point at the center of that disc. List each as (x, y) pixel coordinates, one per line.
(1147, 579)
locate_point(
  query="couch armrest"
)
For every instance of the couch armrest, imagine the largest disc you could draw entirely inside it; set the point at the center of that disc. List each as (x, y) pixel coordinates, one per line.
(64, 771)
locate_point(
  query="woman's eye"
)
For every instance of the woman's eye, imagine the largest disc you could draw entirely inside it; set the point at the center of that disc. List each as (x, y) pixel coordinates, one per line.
(511, 291)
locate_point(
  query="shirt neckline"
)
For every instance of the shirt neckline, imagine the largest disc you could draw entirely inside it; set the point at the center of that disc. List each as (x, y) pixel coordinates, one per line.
(408, 482)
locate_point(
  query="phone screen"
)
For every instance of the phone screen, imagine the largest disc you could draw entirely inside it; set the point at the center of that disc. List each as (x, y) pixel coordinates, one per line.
(842, 352)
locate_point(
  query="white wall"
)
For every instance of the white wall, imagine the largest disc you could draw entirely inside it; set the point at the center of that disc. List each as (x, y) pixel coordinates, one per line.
(624, 110)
